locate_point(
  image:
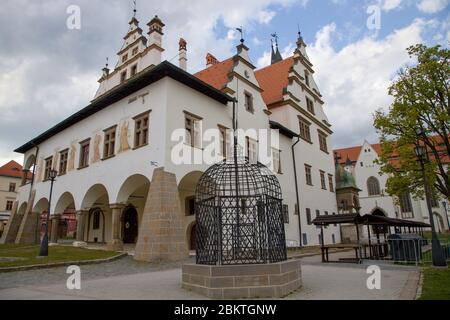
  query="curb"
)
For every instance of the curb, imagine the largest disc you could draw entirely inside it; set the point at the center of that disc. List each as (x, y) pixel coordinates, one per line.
(62, 264)
(419, 285)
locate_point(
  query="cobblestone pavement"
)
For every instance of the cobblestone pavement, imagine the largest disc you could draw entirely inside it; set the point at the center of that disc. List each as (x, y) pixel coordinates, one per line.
(128, 279)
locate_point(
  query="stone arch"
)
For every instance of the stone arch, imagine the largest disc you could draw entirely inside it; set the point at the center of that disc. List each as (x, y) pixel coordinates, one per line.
(190, 235)
(186, 190)
(137, 183)
(41, 206)
(95, 194)
(96, 198)
(29, 162)
(377, 211)
(65, 201)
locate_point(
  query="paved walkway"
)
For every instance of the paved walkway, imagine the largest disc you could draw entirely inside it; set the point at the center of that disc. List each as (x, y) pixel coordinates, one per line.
(128, 279)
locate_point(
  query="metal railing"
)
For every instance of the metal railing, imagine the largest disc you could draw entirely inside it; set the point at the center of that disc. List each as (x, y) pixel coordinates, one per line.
(404, 251)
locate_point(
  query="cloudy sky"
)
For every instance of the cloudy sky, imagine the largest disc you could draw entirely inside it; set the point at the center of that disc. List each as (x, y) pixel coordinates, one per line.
(48, 72)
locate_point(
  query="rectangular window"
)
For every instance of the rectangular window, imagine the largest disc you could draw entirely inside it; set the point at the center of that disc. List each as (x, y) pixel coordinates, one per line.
(12, 187)
(48, 167)
(334, 213)
(305, 239)
(193, 130)
(109, 143)
(322, 180)
(9, 205)
(141, 125)
(248, 102)
(276, 156)
(252, 149)
(285, 213)
(333, 238)
(123, 76)
(317, 213)
(323, 142)
(308, 216)
(133, 70)
(224, 141)
(135, 51)
(84, 153)
(124, 57)
(326, 213)
(305, 132)
(310, 105)
(96, 220)
(63, 157)
(330, 182)
(406, 205)
(434, 201)
(308, 175)
(307, 78)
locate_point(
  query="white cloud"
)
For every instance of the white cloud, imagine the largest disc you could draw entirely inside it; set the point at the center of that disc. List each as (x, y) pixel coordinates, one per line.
(388, 5)
(265, 16)
(432, 6)
(355, 79)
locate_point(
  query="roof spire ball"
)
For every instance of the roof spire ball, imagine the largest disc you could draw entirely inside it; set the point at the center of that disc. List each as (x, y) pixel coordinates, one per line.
(134, 8)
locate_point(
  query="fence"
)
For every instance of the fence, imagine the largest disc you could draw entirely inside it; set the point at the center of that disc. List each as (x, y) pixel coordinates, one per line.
(408, 251)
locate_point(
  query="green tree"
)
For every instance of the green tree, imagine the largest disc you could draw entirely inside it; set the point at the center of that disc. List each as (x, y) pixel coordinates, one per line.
(421, 104)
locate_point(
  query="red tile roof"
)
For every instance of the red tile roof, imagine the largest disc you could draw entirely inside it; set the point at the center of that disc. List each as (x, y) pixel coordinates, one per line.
(352, 153)
(217, 74)
(273, 79)
(11, 169)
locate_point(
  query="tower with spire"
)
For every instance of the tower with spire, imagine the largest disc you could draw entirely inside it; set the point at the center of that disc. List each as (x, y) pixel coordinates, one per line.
(136, 54)
(276, 55)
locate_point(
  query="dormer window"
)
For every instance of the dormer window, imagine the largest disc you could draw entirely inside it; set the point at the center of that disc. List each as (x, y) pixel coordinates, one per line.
(135, 51)
(123, 76)
(124, 57)
(310, 105)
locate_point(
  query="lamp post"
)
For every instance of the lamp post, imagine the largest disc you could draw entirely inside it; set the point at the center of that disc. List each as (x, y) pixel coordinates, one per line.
(436, 250)
(43, 252)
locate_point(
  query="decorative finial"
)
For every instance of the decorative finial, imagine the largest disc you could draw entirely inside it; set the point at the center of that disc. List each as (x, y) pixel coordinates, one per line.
(134, 8)
(298, 31)
(107, 62)
(242, 33)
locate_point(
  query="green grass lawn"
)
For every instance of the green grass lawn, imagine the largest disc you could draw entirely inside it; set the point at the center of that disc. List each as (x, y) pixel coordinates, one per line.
(436, 284)
(12, 255)
(444, 237)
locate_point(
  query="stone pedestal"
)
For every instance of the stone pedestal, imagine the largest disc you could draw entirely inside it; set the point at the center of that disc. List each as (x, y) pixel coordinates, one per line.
(13, 225)
(54, 234)
(161, 234)
(274, 280)
(116, 244)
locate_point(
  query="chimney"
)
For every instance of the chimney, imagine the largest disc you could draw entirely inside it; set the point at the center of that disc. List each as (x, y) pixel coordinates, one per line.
(155, 40)
(182, 54)
(211, 60)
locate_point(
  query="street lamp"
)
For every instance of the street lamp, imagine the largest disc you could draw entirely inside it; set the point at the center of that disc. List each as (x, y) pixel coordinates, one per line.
(43, 252)
(436, 250)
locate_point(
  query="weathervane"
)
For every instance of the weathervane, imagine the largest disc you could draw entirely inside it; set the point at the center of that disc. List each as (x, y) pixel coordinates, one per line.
(242, 33)
(134, 10)
(275, 36)
(107, 62)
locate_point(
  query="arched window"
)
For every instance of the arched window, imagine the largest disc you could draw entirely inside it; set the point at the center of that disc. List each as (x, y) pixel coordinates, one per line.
(373, 186)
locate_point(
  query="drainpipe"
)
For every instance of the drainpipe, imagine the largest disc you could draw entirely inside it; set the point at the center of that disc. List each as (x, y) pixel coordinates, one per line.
(296, 193)
(34, 168)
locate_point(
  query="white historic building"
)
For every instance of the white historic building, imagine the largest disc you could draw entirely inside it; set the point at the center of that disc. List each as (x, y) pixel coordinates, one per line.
(118, 158)
(360, 161)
